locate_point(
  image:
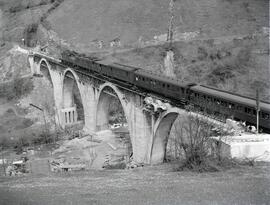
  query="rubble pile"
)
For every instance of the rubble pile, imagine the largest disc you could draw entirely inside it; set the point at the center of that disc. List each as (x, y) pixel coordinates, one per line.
(18, 167)
(132, 164)
(103, 150)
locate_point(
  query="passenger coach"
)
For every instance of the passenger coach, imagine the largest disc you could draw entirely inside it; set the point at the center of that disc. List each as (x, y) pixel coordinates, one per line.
(230, 105)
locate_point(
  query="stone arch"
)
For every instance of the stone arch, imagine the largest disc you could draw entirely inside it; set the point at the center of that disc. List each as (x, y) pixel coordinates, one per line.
(162, 130)
(103, 103)
(45, 72)
(45, 85)
(43, 60)
(109, 100)
(72, 104)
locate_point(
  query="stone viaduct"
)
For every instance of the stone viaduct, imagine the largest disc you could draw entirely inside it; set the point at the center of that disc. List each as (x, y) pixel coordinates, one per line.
(148, 131)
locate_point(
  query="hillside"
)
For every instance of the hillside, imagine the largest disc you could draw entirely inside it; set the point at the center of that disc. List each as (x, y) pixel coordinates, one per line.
(239, 65)
(84, 21)
(230, 49)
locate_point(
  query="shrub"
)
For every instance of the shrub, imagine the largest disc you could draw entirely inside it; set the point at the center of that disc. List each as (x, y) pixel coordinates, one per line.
(5, 142)
(30, 34)
(194, 145)
(202, 53)
(17, 88)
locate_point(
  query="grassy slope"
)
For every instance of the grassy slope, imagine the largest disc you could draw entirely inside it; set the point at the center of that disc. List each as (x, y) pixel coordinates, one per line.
(153, 185)
(235, 66)
(13, 24)
(82, 21)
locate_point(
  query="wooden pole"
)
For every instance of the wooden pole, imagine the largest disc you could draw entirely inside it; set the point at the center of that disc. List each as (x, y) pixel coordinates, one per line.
(170, 29)
(3, 161)
(257, 108)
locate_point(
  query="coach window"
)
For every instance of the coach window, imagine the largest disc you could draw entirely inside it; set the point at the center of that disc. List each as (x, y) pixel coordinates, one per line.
(224, 103)
(265, 116)
(230, 105)
(127, 73)
(143, 78)
(247, 110)
(239, 108)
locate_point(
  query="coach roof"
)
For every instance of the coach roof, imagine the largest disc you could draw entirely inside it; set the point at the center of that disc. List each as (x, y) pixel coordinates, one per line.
(230, 96)
(160, 78)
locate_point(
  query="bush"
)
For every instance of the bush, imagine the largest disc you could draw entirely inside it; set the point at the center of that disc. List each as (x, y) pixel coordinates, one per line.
(44, 138)
(5, 142)
(192, 140)
(30, 34)
(17, 88)
(202, 53)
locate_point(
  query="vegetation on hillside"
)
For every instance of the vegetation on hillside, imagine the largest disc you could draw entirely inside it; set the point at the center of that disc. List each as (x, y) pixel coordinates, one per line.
(236, 64)
(16, 89)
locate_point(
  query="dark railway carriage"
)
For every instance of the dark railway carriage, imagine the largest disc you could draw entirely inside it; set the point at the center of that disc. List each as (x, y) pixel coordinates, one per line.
(68, 58)
(168, 87)
(230, 105)
(117, 71)
(75, 60)
(212, 100)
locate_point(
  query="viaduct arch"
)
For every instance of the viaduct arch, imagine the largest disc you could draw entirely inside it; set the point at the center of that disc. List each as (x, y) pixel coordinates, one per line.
(104, 100)
(72, 106)
(162, 130)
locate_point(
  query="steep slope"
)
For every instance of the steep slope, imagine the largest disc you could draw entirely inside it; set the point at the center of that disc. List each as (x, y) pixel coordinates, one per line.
(236, 64)
(83, 21)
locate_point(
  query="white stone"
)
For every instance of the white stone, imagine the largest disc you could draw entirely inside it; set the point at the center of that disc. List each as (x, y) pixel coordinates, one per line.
(250, 146)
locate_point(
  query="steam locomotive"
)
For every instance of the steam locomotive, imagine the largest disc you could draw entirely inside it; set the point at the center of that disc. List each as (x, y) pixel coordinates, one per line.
(203, 97)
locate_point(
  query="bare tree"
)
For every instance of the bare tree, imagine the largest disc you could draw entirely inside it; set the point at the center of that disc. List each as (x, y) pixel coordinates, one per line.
(191, 140)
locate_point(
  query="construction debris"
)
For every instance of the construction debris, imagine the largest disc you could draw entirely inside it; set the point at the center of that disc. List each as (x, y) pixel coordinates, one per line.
(104, 150)
(134, 164)
(154, 104)
(17, 167)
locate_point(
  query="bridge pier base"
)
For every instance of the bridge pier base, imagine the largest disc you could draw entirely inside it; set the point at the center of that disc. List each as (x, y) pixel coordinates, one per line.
(68, 116)
(89, 106)
(140, 126)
